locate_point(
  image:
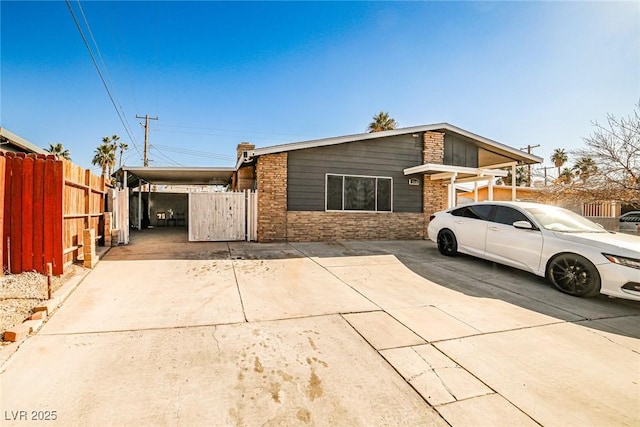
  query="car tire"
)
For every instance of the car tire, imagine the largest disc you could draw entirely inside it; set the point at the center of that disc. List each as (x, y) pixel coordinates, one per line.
(574, 275)
(447, 243)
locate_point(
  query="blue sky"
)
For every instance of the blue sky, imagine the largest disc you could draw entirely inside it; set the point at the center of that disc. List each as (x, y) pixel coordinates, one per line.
(219, 73)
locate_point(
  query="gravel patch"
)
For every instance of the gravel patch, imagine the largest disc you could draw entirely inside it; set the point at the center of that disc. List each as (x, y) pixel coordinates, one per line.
(20, 293)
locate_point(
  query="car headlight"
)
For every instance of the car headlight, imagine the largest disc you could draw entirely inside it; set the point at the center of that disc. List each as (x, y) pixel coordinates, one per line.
(627, 262)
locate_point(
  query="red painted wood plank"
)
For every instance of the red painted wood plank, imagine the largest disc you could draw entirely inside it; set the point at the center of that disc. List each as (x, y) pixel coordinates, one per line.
(6, 208)
(16, 215)
(58, 243)
(2, 182)
(27, 214)
(48, 205)
(38, 215)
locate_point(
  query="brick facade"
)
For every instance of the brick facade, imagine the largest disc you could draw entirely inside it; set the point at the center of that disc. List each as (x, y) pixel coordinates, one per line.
(434, 193)
(331, 226)
(245, 179)
(271, 176)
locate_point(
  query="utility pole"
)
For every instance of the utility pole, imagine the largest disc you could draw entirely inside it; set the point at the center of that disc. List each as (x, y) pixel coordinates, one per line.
(146, 137)
(545, 173)
(529, 147)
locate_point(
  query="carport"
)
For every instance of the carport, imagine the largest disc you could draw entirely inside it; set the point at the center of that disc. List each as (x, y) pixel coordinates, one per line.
(172, 208)
(462, 174)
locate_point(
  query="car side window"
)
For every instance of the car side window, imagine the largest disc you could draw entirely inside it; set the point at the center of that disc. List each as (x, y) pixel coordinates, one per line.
(480, 212)
(476, 212)
(458, 212)
(632, 217)
(507, 215)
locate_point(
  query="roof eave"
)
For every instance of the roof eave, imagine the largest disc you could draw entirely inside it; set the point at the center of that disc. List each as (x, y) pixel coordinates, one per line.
(523, 157)
(21, 142)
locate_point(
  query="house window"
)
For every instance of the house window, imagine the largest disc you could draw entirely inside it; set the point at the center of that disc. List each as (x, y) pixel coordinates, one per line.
(358, 193)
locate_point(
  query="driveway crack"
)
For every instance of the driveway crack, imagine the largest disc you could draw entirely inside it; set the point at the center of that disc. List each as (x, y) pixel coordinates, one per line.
(213, 335)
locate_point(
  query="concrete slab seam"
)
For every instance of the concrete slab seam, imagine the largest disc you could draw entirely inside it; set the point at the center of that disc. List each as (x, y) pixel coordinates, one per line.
(342, 281)
(235, 276)
(457, 366)
(609, 339)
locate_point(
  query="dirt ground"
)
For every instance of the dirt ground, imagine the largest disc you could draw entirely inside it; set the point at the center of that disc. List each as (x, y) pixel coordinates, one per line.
(20, 293)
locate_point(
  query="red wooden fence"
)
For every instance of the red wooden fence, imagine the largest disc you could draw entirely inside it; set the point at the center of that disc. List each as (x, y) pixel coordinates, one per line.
(41, 211)
(2, 173)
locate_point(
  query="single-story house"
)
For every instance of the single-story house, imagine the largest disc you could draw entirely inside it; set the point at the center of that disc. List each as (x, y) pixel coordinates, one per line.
(13, 143)
(381, 185)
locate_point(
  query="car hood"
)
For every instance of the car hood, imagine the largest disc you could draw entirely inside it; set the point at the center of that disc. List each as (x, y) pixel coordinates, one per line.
(614, 243)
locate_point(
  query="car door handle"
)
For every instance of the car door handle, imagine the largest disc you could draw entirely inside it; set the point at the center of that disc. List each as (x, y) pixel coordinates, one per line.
(494, 228)
(459, 221)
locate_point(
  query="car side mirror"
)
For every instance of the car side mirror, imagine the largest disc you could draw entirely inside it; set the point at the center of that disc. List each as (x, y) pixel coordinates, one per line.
(523, 225)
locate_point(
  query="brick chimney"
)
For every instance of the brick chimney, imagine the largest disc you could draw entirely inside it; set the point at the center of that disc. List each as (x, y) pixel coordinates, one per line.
(242, 147)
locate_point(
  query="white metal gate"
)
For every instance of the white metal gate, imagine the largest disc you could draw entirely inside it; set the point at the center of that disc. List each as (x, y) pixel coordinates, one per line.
(222, 216)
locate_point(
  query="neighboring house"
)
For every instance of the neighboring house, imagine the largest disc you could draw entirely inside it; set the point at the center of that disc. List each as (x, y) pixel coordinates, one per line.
(502, 192)
(381, 185)
(13, 143)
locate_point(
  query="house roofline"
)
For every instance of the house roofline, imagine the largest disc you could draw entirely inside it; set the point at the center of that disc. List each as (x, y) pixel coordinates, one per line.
(20, 142)
(249, 155)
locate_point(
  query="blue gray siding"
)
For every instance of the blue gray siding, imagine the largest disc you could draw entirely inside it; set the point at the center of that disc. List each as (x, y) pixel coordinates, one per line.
(460, 152)
(381, 157)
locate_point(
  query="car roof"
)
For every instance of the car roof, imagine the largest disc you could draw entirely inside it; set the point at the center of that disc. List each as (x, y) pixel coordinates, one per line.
(522, 205)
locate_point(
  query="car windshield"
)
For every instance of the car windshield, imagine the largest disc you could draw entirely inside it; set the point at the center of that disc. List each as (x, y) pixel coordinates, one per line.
(558, 219)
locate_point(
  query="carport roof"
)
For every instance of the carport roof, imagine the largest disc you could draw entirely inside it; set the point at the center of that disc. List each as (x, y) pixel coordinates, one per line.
(177, 175)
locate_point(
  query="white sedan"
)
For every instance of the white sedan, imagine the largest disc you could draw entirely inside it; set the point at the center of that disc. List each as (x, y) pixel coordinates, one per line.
(576, 255)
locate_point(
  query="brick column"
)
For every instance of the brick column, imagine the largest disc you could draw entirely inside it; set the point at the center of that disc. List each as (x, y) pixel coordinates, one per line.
(245, 178)
(89, 248)
(271, 176)
(107, 228)
(434, 193)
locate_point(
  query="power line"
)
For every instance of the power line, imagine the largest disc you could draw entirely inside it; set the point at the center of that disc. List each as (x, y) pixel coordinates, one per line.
(95, 64)
(187, 151)
(166, 157)
(241, 131)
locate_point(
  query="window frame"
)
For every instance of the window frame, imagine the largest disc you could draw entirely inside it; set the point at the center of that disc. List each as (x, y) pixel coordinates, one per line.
(375, 202)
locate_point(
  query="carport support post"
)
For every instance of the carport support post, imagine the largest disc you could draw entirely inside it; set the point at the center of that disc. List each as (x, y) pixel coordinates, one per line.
(490, 196)
(139, 204)
(452, 191)
(513, 182)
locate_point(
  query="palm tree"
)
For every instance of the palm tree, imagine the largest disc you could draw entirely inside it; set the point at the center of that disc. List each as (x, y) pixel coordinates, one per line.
(381, 121)
(105, 157)
(123, 147)
(111, 145)
(559, 158)
(521, 177)
(59, 151)
(566, 177)
(584, 168)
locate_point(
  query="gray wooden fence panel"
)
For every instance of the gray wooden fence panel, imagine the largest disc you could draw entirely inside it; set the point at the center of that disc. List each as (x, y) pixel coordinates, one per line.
(216, 217)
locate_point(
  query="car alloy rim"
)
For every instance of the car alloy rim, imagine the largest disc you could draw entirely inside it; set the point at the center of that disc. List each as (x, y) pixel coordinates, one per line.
(570, 276)
(446, 242)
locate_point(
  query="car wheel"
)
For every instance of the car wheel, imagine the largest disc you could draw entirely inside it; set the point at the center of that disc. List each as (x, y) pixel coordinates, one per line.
(574, 275)
(447, 243)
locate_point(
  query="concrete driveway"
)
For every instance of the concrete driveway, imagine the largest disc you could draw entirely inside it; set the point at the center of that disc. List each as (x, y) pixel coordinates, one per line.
(165, 332)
